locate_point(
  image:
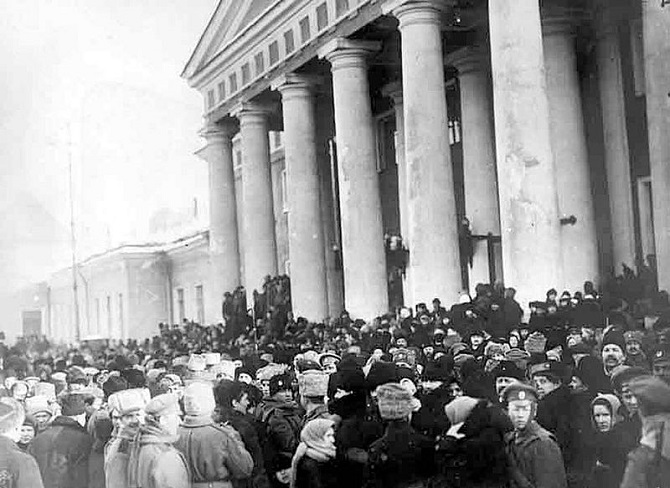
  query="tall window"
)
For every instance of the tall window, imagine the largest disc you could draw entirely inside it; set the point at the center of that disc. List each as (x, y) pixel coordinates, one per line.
(200, 304)
(121, 315)
(181, 309)
(97, 316)
(108, 311)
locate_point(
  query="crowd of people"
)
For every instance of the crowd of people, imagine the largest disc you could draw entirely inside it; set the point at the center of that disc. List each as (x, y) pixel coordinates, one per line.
(469, 395)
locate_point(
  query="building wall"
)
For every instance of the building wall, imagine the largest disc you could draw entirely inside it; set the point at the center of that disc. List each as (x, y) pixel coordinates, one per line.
(189, 271)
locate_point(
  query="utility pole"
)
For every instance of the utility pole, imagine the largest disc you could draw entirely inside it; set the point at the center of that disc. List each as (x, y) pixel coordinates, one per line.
(73, 240)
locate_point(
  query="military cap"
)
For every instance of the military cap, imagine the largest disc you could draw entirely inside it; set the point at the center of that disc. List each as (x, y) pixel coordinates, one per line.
(323, 358)
(279, 383)
(519, 391)
(660, 354)
(653, 394)
(508, 369)
(548, 368)
(161, 405)
(304, 365)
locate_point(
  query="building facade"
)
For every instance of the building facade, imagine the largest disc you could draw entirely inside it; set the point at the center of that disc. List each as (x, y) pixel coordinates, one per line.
(544, 126)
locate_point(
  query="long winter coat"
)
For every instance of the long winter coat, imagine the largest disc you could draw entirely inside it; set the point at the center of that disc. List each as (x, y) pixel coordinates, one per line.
(649, 463)
(402, 458)
(117, 454)
(157, 464)
(478, 459)
(245, 425)
(213, 452)
(62, 453)
(316, 474)
(17, 469)
(535, 458)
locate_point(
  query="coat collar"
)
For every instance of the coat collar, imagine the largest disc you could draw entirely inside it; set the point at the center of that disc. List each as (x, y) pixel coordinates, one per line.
(191, 421)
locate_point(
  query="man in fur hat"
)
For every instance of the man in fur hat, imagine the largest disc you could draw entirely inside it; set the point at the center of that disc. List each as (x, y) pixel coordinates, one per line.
(402, 457)
(156, 463)
(215, 452)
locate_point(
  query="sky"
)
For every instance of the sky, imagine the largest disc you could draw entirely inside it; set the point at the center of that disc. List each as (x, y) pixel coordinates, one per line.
(97, 83)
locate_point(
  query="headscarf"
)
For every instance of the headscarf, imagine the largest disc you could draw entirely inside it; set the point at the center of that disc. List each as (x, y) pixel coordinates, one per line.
(613, 405)
(313, 444)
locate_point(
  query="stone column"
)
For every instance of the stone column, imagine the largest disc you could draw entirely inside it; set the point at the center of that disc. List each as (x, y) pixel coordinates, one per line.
(433, 230)
(309, 293)
(656, 26)
(365, 280)
(526, 186)
(224, 257)
(325, 132)
(579, 244)
(479, 157)
(617, 158)
(394, 91)
(260, 255)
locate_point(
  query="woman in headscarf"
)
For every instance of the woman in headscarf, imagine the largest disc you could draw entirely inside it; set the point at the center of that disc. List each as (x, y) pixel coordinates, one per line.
(313, 462)
(609, 457)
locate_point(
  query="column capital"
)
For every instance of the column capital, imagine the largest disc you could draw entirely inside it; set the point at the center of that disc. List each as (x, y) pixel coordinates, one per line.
(249, 113)
(347, 53)
(292, 85)
(469, 59)
(423, 12)
(214, 132)
(393, 90)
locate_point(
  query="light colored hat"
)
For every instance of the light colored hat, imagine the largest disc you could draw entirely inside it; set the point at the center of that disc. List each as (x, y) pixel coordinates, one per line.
(212, 358)
(59, 376)
(313, 383)
(47, 390)
(394, 401)
(199, 399)
(38, 404)
(161, 405)
(128, 401)
(197, 362)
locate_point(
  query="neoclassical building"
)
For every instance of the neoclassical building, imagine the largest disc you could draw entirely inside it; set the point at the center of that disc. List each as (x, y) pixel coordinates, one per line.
(545, 124)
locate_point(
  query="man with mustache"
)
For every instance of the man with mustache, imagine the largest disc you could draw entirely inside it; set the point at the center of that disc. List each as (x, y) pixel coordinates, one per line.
(613, 352)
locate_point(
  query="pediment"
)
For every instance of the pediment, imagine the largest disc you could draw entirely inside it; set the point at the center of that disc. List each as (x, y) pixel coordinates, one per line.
(229, 19)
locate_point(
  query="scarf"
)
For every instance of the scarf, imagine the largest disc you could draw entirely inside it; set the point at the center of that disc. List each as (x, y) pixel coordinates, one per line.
(313, 444)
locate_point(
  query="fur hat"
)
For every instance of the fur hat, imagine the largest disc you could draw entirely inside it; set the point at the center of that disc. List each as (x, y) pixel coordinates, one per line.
(394, 401)
(614, 336)
(633, 336)
(47, 390)
(128, 401)
(313, 383)
(381, 372)
(72, 404)
(535, 343)
(199, 399)
(38, 404)
(161, 405)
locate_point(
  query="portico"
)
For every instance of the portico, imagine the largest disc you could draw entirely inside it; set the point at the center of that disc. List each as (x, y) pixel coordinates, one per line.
(517, 171)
